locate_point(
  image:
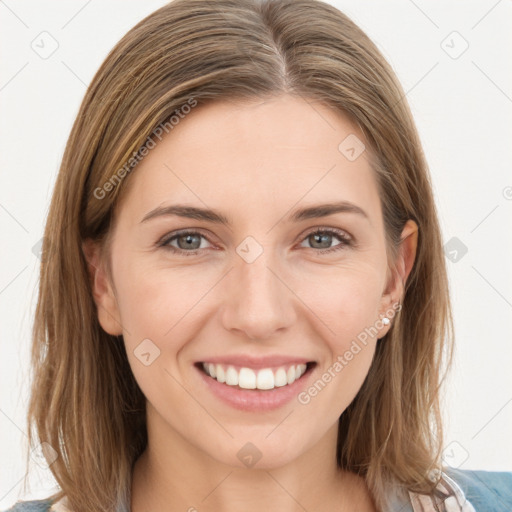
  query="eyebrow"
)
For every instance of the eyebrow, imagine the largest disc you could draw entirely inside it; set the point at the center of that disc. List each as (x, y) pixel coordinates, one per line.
(209, 215)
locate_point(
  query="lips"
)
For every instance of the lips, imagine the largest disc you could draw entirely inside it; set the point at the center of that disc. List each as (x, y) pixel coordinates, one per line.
(253, 399)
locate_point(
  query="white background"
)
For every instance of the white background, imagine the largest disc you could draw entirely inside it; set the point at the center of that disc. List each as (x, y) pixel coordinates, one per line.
(463, 110)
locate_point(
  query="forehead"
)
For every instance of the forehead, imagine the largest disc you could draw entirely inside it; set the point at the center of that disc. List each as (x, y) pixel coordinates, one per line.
(281, 150)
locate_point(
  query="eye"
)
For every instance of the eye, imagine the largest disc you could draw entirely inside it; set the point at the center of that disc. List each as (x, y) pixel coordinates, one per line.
(189, 242)
(322, 239)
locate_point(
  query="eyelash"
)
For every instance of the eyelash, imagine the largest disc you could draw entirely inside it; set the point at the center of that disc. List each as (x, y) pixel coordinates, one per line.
(345, 241)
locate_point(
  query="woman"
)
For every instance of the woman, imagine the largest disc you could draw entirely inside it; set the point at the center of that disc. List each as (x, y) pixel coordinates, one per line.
(243, 301)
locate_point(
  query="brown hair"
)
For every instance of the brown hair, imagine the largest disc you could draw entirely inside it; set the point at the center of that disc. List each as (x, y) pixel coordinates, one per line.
(85, 402)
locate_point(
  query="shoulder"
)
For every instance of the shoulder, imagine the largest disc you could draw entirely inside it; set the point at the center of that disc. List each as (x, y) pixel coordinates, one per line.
(485, 490)
(31, 506)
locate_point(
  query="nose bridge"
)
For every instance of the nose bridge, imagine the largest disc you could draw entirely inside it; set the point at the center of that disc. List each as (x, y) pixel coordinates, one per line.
(258, 302)
(254, 257)
(257, 280)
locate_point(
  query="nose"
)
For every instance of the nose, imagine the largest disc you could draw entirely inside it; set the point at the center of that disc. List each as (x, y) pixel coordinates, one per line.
(259, 302)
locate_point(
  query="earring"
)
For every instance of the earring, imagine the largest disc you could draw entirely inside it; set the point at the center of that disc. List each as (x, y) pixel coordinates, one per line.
(385, 320)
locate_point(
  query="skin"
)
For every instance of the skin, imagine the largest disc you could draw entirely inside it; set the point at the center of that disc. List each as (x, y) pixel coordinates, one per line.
(256, 162)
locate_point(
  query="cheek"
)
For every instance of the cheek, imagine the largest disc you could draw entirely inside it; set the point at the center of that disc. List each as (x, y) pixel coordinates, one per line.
(346, 302)
(153, 300)
(348, 310)
(157, 311)
(346, 299)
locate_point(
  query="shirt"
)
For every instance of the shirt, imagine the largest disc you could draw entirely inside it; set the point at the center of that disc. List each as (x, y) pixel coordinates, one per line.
(471, 491)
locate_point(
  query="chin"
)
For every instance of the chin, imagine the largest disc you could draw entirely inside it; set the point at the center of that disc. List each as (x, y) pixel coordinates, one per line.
(259, 451)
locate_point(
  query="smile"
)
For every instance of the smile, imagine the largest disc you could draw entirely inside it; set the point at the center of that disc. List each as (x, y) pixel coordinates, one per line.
(248, 378)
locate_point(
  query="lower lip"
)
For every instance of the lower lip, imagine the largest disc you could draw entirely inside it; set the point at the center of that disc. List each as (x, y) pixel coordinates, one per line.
(256, 400)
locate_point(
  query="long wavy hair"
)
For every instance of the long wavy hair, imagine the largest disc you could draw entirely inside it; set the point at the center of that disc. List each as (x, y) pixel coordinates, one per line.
(85, 403)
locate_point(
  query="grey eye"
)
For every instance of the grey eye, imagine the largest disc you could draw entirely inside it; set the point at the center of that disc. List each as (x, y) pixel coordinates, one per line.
(320, 241)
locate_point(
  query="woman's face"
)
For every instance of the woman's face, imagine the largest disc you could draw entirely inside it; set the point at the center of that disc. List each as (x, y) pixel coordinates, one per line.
(251, 286)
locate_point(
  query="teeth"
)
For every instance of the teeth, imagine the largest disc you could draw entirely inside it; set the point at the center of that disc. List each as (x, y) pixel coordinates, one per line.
(280, 378)
(231, 377)
(265, 379)
(290, 375)
(221, 375)
(247, 378)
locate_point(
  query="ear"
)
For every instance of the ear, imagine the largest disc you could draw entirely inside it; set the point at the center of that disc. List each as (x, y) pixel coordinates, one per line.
(403, 266)
(102, 289)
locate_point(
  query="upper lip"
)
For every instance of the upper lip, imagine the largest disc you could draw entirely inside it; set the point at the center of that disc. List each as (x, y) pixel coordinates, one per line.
(245, 360)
